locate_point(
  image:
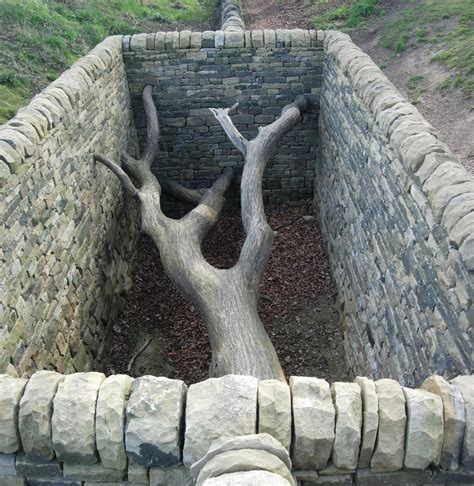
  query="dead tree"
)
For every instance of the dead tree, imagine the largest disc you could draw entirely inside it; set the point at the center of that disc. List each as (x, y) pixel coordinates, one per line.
(226, 299)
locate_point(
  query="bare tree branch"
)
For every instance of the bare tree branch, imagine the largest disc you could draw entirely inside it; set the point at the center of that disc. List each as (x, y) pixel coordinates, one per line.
(153, 129)
(181, 193)
(222, 116)
(119, 172)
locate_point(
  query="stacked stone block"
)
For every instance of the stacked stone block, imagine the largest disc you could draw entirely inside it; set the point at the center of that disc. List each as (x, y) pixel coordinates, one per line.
(66, 237)
(261, 70)
(84, 428)
(396, 212)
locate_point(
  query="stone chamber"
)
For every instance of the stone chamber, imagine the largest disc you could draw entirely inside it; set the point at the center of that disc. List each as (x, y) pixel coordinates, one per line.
(396, 212)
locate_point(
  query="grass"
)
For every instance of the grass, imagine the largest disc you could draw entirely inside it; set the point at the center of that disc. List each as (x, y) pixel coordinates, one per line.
(415, 88)
(448, 26)
(350, 15)
(41, 38)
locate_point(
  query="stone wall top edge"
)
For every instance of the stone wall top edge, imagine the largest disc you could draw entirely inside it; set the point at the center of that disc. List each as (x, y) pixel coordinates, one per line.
(21, 135)
(446, 186)
(187, 39)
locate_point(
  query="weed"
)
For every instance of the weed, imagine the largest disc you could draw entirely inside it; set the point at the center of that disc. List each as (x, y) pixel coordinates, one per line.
(349, 15)
(445, 84)
(442, 56)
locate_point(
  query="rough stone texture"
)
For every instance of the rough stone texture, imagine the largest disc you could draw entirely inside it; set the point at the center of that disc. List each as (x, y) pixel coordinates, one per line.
(348, 406)
(424, 431)
(247, 478)
(218, 407)
(260, 441)
(91, 472)
(367, 477)
(171, 476)
(110, 420)
(466, 385)
(389, 448)
(137, 474)
(402, 287)
(11, 392)
(370, 420)
(243, 460)
(36, 410)
(194, 149)
(37, 468)
(73, 422)
(7, 464)
(13, 481)
(67, 240)
(154, 421)
(313, 422)
(454, 419)
(274, 410)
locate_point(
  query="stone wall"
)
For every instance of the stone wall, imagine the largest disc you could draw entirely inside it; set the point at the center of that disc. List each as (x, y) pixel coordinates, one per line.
(261, 70)
(66, 237)
(396, 210)
(64, 430)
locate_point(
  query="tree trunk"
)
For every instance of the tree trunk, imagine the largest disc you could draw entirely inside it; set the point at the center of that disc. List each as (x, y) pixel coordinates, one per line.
(226, 299)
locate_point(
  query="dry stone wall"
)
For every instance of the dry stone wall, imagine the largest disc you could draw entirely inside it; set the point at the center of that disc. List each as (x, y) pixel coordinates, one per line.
(66, 237)
(261, 70)
(86, 429)
(396, 211)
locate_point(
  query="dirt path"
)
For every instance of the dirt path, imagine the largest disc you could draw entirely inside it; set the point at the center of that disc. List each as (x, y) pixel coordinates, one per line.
(297, 306)
(449, 111)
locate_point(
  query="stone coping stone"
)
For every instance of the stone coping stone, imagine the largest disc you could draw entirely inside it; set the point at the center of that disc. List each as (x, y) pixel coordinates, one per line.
(154, 424)
(370, 420)
(348, 404)
(274, 410)
(218, 407)
(313, 422)
(465, 383)
(263, 442)
(247, 478)
(12, 391)
(243, 460)
(424, 431)
(110, 420)
(36, 411)
(390, 445)
(73, 422)
(454, 419)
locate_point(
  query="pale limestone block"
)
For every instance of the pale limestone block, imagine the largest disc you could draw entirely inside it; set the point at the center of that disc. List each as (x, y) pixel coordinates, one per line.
(465, 383)
(247, 478)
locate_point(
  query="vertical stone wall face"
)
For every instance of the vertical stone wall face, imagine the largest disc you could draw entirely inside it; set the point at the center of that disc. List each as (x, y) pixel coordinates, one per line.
(394, 205)
(261, 70)
(66, 234)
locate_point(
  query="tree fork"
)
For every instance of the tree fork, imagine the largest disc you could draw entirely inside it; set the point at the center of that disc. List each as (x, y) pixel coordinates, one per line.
(226, 299)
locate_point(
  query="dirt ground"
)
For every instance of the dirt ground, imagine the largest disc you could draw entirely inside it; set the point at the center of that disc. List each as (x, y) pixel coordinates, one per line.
(297, 306)
(449, 111)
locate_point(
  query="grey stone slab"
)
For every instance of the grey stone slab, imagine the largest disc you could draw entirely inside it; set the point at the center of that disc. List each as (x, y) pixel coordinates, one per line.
(7, 464)
(36, 410)
(37, 468)
(91, 472)
(171, 476)
(465, 383)
(154, 421)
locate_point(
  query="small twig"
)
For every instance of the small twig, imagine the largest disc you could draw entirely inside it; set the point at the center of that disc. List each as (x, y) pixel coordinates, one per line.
(137, 354)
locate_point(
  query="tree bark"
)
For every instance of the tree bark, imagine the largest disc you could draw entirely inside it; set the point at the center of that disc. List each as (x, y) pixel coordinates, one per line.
(226, 299)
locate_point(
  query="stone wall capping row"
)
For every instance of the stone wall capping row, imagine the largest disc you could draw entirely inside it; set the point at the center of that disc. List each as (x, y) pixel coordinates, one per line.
(228, 39)
(20, 136)
(436, 170)
(86, 427)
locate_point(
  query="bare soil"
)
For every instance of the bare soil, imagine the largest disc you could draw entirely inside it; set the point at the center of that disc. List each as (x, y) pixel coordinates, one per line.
(297, 305)
(449, 111)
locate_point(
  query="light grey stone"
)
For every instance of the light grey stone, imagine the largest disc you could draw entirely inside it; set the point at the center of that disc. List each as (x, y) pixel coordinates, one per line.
(7, 464)
(389, 448)
(454, 419)
(137, 474)
(154, 421)
(348, 405)
(243, 460)
(36, 410)
(138, 42)
(196, 39)
(465, 383)
(467, 252)
(218, 407)
(424, 431)
(234, 39)
(37, 468)
(12, 481)
(10, 396)
(185, 39)
(73, 422)
(370, 420)
(274, 410)
(247, 478)
(313, 419)
(259, 441)
(110, 420)
(257, 38)
(171, 476)
(91, 472)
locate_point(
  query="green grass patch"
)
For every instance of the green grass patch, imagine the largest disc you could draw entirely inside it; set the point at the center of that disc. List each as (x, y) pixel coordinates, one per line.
(415, 87)
(446, 24)
(349, 15)
(42, 38)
